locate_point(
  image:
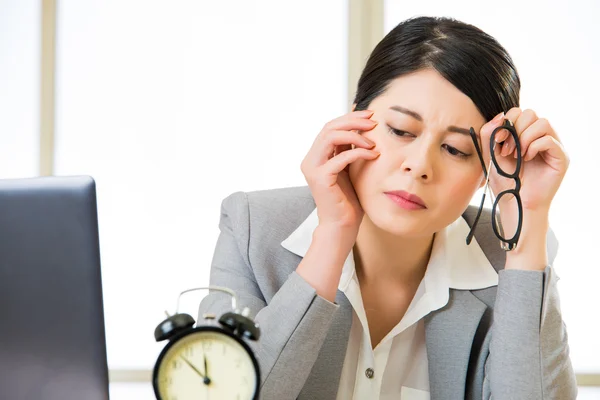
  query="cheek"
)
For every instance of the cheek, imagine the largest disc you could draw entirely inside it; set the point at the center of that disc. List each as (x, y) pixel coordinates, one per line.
(463, 188)
(364, 174)
(389, 160)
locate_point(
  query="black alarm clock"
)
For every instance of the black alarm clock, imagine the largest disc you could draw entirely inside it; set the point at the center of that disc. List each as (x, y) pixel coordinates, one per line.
(210, 361)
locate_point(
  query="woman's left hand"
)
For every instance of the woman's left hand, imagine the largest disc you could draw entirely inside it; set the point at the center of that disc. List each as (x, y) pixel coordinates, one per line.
(544, 165)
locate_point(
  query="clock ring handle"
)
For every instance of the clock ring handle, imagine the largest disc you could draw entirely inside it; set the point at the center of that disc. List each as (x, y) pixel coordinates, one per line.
(234, 299)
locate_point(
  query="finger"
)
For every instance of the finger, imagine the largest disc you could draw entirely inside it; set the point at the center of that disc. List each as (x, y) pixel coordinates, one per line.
(504, 135)
(505, 163)
(510, 115)
(551, 151)
(324, 148)
(357, 120)
(341, 148)
(486, 132)
(507, 143)
(341, 161)
(359, 114)
(535, 131)
(513, 114)
(523, 121)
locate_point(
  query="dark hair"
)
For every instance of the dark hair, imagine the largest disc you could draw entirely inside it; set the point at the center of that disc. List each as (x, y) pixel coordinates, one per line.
(473, 61)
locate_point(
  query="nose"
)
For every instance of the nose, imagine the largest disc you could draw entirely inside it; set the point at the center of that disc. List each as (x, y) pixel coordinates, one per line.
(419, 162)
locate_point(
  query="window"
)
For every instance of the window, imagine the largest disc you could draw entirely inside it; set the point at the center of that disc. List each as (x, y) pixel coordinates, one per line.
(19, 93)
(173, 106)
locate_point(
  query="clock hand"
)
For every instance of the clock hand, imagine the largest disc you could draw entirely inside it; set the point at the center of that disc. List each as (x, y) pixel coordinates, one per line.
(206, 379)
(205, 366)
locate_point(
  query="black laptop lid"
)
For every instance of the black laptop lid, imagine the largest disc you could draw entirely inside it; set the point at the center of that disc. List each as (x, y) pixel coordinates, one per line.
(52, 338)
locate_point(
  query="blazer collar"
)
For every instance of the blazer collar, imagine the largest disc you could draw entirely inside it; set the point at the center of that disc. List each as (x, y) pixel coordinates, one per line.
(457, 265)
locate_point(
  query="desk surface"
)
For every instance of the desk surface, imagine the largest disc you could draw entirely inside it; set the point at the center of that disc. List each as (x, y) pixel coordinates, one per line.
(133, 390)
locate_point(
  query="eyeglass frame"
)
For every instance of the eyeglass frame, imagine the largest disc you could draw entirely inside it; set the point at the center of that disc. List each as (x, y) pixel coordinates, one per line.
(505, 244)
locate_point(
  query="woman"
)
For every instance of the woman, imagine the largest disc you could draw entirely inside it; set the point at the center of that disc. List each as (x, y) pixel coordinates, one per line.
(363, 283)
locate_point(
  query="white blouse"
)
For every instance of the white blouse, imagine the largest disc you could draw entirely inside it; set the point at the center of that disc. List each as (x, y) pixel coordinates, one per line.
(398, 367)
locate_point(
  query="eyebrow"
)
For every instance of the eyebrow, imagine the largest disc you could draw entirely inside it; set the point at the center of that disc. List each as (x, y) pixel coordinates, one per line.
(416, 116)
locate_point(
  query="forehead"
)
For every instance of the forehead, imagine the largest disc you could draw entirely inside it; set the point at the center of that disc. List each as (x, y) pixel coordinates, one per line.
(429, 94)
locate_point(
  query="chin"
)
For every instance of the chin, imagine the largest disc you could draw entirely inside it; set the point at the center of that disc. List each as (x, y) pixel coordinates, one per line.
(399, 224)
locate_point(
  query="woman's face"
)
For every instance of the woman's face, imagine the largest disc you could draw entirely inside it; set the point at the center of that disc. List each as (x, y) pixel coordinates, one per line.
(426, 156)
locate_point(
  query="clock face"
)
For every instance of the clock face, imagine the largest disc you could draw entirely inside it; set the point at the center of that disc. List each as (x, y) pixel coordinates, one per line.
(206, 365)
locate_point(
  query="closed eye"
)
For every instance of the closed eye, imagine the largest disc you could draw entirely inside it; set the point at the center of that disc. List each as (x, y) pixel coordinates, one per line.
(454, 151)
(400, 133)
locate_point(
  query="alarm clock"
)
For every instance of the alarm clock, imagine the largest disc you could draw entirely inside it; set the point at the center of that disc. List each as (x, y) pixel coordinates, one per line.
(210, 361)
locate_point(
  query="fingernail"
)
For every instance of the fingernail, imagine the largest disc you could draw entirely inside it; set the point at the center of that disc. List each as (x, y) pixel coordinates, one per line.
(498, 118)
(501, 136)
(368, 142)
(368, 113)
(511, 149)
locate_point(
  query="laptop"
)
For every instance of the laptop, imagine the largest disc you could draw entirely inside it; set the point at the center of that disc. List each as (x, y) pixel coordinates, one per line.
(52, 338)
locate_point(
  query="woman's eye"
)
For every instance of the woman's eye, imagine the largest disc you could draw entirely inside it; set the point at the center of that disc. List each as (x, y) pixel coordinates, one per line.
(400, 133)
(453, 151)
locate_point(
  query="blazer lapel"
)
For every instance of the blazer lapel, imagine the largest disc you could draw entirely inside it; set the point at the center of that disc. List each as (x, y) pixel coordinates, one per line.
(324, 378)
(449, 334)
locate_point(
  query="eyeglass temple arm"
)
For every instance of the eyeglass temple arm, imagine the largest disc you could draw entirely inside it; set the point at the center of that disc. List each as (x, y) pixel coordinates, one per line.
(479, 153)
(472, 231)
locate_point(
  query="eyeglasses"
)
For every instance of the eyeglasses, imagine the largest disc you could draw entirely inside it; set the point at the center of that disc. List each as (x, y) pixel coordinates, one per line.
(511, 243)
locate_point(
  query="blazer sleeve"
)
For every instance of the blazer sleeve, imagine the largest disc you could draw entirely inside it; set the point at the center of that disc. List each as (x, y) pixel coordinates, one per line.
(529, 351)
(293, 324)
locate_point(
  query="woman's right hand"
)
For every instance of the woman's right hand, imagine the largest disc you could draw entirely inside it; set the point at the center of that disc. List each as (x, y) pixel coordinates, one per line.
(326, 165)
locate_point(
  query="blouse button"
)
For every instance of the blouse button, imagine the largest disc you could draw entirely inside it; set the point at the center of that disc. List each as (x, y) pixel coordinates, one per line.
(369, 373)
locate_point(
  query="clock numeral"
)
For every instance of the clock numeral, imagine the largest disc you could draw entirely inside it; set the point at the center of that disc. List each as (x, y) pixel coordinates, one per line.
(207, 345)
(224, 349)
(176, 364)
(188, 351)
(238, 362)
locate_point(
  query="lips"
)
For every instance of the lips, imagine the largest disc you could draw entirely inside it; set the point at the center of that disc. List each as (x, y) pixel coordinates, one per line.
(413, 198)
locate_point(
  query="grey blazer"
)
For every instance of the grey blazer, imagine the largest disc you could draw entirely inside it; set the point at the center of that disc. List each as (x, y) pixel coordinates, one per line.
(503, 342)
